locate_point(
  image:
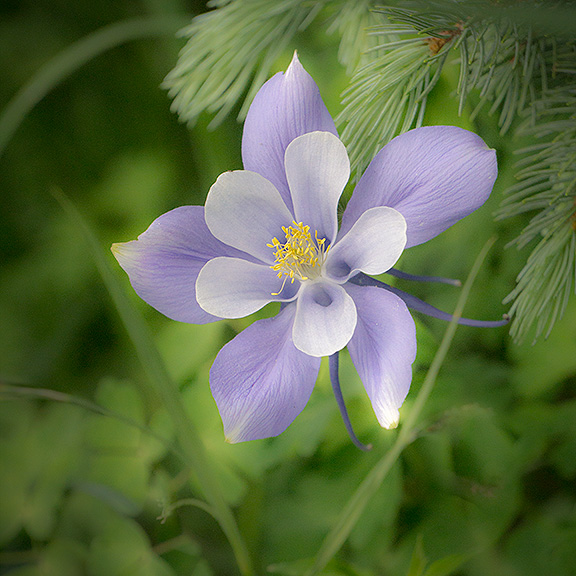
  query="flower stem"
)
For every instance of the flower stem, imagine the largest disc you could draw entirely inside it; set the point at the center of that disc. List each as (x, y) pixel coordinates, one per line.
(74, 57)
(189, 439)
(371, 483)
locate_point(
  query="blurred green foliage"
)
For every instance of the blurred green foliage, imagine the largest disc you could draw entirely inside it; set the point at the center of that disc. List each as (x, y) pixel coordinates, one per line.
(89, 472)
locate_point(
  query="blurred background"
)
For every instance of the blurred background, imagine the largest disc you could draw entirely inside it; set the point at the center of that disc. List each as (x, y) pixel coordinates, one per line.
(87, 471)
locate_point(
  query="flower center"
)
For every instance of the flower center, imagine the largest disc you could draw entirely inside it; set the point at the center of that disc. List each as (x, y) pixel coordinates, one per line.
(300, 257)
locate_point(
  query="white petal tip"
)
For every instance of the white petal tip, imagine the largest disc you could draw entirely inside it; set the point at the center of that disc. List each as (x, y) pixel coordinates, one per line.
(389, 421)
(232, 436)
(124, 251)
(238, 435)
(294, 64)
(393, 424)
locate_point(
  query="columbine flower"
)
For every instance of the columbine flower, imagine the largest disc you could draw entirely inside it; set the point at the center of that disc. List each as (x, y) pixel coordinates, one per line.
(269, 233)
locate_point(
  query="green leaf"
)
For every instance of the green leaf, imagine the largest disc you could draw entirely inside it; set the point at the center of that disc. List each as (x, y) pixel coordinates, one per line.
(564, 441)
(295, 568)
(186, 347)
(545, 543)
(15, 423)
(60, 557)
(541, 369)
(106, 433)
(446, 566)
(124, 550)
(42, 452)
(122, 472)
(418, 561)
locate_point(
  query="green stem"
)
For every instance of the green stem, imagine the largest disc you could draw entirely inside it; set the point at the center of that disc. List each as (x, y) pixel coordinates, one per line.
(8, 391)
(185, 502)
(74, 57)
(371, 483)
(188, 437)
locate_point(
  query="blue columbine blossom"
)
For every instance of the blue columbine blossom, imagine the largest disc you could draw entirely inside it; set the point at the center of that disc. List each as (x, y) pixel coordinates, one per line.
(269, 233)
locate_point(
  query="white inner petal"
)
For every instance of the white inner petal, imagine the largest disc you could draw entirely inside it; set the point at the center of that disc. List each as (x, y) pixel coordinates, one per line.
(236, 288)
(317, 169)
(246, 211)
(373, 245)
(325, 318)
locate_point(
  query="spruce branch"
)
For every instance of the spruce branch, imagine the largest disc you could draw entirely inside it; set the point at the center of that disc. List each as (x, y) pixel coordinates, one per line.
(352, 21)
(231, 48)
(387, 93)
(547, 183)
(499, 62)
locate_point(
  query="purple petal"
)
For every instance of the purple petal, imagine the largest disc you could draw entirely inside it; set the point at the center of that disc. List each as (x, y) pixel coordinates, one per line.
(245, 211)
(325, 318)
(433, 176)
(234, 288)
(373, 245)
(286, 106)
(260, 381)
(164, 262)
(317, 169)
(382, 349)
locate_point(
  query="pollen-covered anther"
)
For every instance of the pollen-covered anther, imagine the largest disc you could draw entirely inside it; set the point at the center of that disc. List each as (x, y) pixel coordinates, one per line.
(300, 257)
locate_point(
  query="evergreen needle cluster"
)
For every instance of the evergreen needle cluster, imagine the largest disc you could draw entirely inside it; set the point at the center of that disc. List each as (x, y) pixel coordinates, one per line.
(230, 49)
(516, 60)
(547, 186)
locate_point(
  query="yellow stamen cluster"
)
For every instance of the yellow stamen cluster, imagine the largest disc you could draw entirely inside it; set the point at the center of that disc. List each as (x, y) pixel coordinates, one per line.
(300, 257)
